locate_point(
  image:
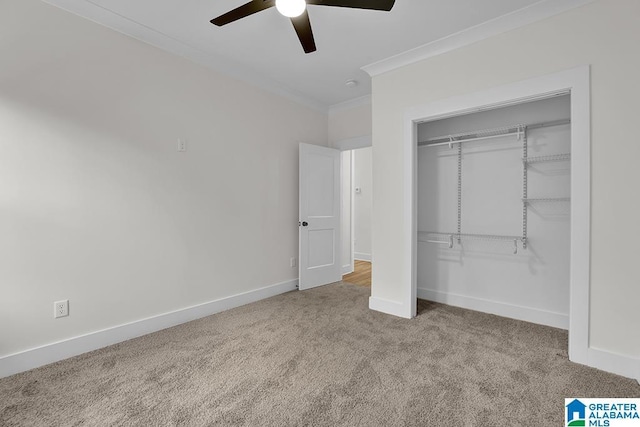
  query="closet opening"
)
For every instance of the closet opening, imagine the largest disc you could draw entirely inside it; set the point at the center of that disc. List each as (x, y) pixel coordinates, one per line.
(493, 211)
(511, 235)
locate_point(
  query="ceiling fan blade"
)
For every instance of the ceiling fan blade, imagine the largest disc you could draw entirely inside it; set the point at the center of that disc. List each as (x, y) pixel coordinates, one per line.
(305, 34)
(243, 11)
(356, 4)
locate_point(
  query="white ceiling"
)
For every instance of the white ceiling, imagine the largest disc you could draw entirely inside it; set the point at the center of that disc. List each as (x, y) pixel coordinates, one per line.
(263, 48)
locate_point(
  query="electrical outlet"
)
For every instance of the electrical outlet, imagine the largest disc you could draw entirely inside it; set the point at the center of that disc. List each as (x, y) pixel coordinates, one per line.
(61, 308)
(182, 145)
(293, 262)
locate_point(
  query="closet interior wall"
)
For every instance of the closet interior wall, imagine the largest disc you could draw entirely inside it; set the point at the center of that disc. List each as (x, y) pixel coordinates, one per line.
(486, 274)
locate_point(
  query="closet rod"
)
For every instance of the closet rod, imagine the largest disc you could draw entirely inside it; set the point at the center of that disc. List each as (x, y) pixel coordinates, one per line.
(492, 133)
(422, 236)
(459, 236)
(453, 141)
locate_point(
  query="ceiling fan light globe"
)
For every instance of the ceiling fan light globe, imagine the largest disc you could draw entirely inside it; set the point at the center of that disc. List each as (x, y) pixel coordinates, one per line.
(291, 8)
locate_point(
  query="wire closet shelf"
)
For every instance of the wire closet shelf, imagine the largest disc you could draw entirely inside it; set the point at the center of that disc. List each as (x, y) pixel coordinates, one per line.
(443, 238)
(521, 133)
(479, 135)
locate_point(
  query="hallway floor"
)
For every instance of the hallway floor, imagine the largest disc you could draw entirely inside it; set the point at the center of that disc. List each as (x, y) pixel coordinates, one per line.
(361, 275)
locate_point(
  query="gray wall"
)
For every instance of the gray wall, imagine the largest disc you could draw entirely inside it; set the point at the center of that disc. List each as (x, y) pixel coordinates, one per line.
(99, 208)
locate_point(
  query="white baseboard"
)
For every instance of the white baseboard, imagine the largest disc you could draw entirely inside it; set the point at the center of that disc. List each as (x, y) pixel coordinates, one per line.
(347, 269)
(362, 256)
(389, 307)
(33, 358)
(542, 317)
(615, 363)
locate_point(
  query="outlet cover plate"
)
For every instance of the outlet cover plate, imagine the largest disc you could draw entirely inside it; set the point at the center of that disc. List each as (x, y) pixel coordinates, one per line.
(61, 308)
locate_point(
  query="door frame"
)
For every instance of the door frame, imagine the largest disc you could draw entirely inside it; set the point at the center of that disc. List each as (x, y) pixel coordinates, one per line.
(575, 82)
(352, 144)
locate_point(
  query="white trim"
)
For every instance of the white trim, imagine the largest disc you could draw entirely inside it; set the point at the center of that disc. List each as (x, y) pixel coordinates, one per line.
(348, 105)
(223, 65)
(410, 201)
(610, 362)
(347, 269)
(362, 256)
(519, 18)
(527, 314)
(389, 307)
(580, 255)
(352, 209)
(354, 143)
(576, 81)
(33, 358)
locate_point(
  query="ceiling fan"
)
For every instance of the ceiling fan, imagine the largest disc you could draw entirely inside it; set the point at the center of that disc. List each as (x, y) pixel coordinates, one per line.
(297, 11)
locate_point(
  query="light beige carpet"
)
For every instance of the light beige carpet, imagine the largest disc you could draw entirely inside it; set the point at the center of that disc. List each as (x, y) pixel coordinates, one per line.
(316, 358)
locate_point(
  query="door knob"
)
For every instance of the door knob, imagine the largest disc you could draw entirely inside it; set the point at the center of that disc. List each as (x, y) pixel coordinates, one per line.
(305, 223)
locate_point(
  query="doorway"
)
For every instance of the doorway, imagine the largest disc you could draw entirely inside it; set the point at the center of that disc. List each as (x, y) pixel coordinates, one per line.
(493, 195)
(574, 82)
(357, 196)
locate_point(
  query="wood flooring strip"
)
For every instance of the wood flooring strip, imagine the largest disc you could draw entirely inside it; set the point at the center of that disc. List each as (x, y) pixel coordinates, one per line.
(361, 275)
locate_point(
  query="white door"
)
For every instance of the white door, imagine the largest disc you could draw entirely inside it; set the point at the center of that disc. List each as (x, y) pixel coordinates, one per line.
(319, 216)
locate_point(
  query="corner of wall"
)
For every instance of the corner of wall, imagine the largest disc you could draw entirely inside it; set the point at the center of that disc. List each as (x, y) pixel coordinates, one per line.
(389, 307)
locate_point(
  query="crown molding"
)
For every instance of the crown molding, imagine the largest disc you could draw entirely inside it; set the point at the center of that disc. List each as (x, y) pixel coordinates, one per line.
(110, 19)
(352, 103)
(519, 18)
